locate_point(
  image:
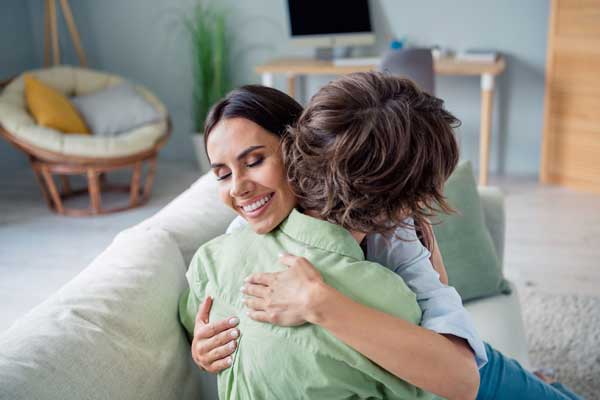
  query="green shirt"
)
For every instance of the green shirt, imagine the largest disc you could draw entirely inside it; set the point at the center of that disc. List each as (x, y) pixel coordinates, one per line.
(273, 362)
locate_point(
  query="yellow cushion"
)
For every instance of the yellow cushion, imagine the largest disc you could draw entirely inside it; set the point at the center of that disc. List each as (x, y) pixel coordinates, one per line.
(51, 108)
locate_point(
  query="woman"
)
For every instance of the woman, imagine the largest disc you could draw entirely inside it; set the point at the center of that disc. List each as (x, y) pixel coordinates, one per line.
(212, 342)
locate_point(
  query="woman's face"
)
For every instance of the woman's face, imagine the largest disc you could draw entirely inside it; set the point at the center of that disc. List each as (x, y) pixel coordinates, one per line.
(247, 162)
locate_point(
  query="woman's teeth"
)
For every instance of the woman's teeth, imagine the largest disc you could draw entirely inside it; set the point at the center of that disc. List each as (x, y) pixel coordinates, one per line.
(257, 204)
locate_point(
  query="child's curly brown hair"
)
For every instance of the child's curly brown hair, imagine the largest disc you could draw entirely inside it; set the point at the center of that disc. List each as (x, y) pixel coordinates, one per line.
(370, 150)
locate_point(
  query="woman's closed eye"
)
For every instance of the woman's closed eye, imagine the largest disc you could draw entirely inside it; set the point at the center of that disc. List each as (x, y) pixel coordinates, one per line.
(255, 162)
(222, 175)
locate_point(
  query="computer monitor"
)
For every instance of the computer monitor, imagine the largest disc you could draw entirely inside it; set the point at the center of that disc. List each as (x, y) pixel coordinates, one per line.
(327, 23)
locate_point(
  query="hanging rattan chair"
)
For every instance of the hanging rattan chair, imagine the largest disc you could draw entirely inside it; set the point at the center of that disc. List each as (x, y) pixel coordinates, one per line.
(52, 153)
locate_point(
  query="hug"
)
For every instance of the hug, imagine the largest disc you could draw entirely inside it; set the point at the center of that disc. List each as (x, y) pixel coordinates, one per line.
(329, 284)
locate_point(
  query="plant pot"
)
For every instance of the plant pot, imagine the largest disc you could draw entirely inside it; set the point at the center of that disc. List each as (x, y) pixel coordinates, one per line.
(201, 157)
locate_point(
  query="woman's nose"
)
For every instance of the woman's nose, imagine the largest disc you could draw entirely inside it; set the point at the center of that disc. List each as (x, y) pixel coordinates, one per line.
(239, 186)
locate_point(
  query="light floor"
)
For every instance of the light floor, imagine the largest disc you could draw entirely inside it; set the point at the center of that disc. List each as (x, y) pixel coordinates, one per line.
(553, 237)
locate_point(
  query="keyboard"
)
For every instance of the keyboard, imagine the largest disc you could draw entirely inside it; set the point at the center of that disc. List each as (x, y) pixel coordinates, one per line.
(356, 61)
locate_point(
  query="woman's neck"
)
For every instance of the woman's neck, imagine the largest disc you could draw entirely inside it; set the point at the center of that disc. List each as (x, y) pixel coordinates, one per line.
(358, 236)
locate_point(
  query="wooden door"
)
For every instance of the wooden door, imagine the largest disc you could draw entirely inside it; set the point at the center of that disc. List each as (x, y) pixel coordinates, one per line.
(571, 137)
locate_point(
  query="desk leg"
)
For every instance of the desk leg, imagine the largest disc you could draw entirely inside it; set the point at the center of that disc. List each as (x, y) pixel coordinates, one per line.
(487, 96)
(291, 82)
(267, 79)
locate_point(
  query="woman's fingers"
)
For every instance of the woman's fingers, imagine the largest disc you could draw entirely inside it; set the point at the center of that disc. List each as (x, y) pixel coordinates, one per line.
(264, 278)
(294, 261)
(209, 353)
(254, 303)
(221, 352)
(214, 354)
(213, 343)
(260, 316)
(206, 331)
(255, 290)
(219, 340)
(203, 313)
(220, 365)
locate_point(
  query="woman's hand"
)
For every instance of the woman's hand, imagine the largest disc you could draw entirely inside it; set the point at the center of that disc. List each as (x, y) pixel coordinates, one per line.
(283, 298)
(213, 343)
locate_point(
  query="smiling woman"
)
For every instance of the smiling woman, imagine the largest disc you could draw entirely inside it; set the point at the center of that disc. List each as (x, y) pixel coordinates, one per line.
(248, 164)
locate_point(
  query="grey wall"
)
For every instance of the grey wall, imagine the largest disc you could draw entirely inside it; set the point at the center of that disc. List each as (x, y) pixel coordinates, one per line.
(143, 40)
(16, 55)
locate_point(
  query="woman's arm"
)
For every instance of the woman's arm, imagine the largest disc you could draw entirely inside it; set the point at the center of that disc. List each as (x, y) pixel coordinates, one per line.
(444, 366)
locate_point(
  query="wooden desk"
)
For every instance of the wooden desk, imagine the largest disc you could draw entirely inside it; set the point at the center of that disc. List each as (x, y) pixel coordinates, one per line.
(487, 71)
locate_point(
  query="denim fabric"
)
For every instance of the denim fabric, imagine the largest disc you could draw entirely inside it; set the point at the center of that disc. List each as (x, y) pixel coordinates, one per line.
(503, 378)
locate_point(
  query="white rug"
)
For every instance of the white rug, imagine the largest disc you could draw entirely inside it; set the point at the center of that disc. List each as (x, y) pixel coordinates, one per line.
(564, 333)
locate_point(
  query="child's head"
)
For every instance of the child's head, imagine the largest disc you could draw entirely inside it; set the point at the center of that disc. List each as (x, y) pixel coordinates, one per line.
(370, 150)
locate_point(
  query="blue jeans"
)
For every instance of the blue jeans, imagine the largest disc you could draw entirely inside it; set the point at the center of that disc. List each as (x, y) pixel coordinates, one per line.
(503, 378)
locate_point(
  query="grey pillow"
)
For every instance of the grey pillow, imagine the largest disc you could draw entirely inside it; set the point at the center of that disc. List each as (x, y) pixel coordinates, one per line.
(116, 109)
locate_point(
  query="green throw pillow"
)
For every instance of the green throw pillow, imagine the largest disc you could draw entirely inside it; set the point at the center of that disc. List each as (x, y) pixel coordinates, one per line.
(470, 257)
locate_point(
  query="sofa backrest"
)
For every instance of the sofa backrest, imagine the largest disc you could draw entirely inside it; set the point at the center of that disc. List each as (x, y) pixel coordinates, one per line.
(194, 217)
(198, 215)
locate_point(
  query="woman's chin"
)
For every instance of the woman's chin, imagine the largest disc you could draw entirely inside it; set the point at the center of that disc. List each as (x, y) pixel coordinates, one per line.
(262, 228)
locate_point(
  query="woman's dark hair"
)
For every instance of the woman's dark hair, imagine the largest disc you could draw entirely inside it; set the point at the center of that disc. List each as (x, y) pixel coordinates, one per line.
(371, 150)
(269, 108)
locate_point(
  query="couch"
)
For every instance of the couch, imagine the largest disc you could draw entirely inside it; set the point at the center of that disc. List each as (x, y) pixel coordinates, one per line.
(113, 331)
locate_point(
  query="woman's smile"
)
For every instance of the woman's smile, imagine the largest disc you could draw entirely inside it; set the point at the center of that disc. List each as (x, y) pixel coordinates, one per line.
(256, 206)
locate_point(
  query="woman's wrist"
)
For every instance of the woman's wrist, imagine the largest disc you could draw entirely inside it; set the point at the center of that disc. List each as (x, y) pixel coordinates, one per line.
(319, 295)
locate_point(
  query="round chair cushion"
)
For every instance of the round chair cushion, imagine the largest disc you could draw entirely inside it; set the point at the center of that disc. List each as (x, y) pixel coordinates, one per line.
(76, 81)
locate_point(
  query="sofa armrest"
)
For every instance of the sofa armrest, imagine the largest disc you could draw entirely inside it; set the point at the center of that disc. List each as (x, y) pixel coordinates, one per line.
(492, 203)
(110, 333)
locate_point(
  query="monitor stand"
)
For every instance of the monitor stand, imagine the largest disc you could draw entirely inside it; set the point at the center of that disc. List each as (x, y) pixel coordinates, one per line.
(331, 53)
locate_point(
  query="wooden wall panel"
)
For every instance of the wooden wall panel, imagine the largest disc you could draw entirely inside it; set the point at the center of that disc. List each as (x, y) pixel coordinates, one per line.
(571, 137)
(578, 18)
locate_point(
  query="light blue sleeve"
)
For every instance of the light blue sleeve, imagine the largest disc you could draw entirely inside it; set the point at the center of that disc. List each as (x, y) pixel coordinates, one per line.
(236, 224)
(441, 305)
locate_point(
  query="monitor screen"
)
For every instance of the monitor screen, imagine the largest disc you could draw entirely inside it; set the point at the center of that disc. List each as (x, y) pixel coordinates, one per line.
(325, 17)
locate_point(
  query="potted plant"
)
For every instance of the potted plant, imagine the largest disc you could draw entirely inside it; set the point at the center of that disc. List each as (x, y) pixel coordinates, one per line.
(212, 79)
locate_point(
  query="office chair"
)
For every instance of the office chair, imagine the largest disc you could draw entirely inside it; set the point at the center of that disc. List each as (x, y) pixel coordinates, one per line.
(413, 63)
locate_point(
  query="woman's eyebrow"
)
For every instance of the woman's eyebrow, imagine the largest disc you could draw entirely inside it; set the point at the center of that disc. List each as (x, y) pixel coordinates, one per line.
(239, 156)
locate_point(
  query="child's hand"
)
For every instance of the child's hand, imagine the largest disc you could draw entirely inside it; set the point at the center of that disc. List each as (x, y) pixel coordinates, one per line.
(213, 343)
(282, 298)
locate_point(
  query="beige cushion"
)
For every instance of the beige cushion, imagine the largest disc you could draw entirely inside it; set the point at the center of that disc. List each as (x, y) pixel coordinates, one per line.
(74, 81)
(110, 333)
(194, 217)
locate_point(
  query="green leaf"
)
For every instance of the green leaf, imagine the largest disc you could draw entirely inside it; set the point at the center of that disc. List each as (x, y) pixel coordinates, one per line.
(210, 42)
